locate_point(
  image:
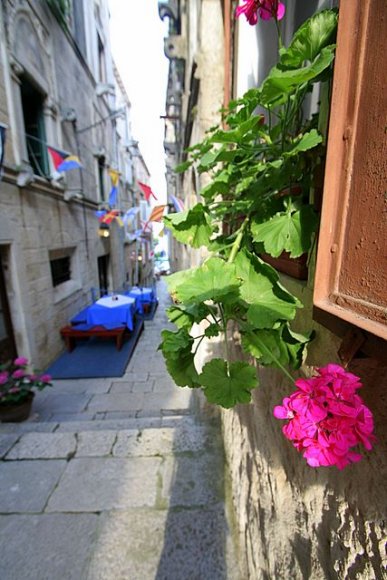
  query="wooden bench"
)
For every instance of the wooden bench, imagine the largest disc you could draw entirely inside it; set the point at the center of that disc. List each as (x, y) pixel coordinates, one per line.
(71, 333)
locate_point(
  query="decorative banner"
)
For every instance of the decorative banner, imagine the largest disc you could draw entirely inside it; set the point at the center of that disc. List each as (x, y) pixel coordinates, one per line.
(177, 203)
(130, 215)
(155, 216)
(109, 216)
(146, 190)
(3, 131)
(114, 176)
(63, 161)
(157, 213)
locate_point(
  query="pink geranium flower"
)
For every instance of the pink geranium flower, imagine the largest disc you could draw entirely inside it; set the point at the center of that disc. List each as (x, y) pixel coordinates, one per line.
(326, 418)
(3, 377)
(18, 374)
(20, 361)
(265, 8)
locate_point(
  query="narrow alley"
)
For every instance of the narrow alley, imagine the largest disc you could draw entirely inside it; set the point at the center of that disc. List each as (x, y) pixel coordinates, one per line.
(116, 479)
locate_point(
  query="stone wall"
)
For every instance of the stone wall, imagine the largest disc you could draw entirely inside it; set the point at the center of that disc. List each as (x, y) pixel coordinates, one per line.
(294, 521)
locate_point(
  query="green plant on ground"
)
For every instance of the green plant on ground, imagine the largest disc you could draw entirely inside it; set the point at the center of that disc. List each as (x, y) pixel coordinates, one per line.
(261, 162)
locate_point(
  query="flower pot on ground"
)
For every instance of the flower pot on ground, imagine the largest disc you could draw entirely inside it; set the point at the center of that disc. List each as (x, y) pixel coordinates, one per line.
(17, 390)
(17, 412)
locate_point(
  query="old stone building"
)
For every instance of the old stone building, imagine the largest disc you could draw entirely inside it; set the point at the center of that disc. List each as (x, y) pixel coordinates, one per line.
(294, 521)
(58, 89)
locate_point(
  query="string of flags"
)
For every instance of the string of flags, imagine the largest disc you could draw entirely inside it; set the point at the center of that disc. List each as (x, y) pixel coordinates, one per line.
(147, 191)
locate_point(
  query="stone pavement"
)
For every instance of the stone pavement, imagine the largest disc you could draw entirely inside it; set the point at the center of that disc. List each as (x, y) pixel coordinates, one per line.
(116, 479)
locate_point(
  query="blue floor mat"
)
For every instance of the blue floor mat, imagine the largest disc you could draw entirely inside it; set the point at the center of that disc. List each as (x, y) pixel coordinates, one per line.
(96, 357)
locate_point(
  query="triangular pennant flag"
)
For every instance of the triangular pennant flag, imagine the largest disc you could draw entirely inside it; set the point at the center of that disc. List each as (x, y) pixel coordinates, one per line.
(177, 203)
(146, 190)
(157, 213)
(130, 214)
(114, 176)
(63, 161)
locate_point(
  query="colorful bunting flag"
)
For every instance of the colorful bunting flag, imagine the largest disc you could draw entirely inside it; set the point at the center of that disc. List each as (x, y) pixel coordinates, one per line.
(63, 161)
(3, 130)
(114, 177)
(130, 214)
(155, 216)
(146, 190)
(177, 203)
(111, 215)
(157, 213)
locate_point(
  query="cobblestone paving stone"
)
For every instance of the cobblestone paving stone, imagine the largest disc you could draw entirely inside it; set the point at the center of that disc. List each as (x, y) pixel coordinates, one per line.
(116, 479)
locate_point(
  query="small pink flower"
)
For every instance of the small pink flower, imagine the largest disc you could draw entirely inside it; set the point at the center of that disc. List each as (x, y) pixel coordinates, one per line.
(45, 378)
(266, 8)
(3, 377)
(21, 361)
(271, 9)
(18, 374)
(14, 390)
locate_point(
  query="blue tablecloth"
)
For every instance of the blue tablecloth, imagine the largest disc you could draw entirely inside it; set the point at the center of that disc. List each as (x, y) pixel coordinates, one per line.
(145, 294)
(111, 312)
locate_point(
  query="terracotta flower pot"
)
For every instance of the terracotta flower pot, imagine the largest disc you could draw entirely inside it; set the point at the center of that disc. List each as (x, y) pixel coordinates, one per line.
(17, 412)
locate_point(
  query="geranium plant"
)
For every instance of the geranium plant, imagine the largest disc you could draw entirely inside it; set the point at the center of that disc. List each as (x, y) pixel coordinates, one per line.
(261, 162)
(16, 383)
(327, 418)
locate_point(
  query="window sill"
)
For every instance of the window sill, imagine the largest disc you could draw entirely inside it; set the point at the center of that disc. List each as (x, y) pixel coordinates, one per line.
(65, 290)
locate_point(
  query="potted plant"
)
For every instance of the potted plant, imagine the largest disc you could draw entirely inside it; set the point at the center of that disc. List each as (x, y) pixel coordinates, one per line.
(16, 390)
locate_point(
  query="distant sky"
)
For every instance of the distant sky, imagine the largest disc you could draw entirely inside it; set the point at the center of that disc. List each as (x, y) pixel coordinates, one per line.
(137, 39)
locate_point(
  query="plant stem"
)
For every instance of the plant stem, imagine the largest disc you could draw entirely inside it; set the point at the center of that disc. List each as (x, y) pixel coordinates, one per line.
(238, 240)
(264, 348)
(224, 324)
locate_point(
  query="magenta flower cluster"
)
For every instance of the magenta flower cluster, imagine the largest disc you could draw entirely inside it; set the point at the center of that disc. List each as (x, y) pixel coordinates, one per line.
(266, 9)
(16, 382)
(327, 419)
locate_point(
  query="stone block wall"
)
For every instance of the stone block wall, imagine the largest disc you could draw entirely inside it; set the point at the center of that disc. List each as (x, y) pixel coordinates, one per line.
(298, 522)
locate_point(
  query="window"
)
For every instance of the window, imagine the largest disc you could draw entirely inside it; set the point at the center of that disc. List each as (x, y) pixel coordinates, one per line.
(32, 104)
(101, 177)
(101, 61)
(60, 270)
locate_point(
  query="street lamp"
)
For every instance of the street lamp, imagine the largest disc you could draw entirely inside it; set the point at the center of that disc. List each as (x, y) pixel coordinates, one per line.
(104, 231)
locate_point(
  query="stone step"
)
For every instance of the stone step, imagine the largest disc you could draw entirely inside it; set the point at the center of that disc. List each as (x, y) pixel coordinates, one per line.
(86, 439)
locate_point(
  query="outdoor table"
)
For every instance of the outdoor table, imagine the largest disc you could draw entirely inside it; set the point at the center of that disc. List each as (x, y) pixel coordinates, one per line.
(145, 294)
(112, 311)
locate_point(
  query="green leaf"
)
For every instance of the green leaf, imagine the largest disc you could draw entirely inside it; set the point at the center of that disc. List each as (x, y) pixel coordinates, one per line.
(214, 280)
(176, 348)
(316, 33)
(289, 231)
(212, 330)
(306, 142)
(174, 342)
(296, 345)
(279, 347)
(185, 316)
(182, 370)
(190, 227)
(266, 346)
(182, 167)
(268, 302)
(228, 388)
(280, 84)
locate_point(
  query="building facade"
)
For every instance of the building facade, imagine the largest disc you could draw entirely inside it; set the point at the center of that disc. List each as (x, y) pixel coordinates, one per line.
(59, 90)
